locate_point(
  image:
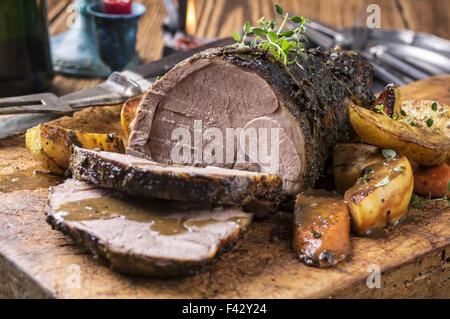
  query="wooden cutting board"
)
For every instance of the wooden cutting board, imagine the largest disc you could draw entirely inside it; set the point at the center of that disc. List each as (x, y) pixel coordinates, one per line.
(36, 261)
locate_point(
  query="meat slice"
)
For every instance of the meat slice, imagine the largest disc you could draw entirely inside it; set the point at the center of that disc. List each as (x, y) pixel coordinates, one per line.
(290, 145)
(147, 237)
(321, 229)
(224, 90)
(137, 176)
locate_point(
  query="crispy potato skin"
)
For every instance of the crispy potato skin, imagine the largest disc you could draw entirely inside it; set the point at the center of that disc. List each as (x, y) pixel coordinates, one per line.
(373, 207)
(431, 180)
(390, 98)
(51, 144)
(128, 113)
(348, 161)
(321, 235)
(422, 146)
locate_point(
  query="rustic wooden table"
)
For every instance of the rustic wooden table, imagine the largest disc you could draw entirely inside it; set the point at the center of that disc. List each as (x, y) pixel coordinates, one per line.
(36, 261)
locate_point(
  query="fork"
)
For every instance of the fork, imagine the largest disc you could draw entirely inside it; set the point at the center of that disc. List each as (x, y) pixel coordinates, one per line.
(117, 88)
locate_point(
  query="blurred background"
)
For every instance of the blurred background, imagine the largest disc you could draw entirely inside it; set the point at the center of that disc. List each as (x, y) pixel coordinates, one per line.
(210, 19)
(219, 18)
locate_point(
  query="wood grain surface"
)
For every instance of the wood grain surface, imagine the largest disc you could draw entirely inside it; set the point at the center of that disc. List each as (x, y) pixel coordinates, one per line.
(36, 261)
(219, 18)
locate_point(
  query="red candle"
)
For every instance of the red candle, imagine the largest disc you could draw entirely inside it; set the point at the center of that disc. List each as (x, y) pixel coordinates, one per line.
(117, 6)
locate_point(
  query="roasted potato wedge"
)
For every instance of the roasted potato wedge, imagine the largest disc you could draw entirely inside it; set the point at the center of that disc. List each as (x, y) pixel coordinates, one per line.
(431, 181)
(420, 145)
(51, 144)
(348, 161)
(128, 113)
(390, 99)
(421, 111)
(381, 196)
(321, 234)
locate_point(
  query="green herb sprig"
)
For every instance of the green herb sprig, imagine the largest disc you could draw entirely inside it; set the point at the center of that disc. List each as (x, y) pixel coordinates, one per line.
(380, 109)
(277, 41)
(384, 181)
(434, 106)
(416, 202)
(389, 154)
(367, 171)
(365, 178)
(398, 169)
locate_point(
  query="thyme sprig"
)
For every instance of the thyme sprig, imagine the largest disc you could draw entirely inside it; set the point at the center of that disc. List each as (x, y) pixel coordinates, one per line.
(274, 40)
(416, 202)
(389, 154)
(380, 109)
(384, 181)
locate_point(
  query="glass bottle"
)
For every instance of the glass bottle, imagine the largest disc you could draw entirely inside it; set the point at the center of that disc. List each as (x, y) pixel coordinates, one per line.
(25, 60)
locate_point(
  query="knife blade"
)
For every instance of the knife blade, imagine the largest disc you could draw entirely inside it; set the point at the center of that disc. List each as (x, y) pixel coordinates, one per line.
(139, 79)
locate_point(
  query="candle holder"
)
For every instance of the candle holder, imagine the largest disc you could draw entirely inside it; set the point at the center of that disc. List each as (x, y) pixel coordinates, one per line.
(176, 35)
(175, 41)
(116, 35)
(75, 52)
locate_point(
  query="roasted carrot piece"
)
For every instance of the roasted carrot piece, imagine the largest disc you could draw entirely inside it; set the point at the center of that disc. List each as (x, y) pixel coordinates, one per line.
(431, 181)
(321, 229)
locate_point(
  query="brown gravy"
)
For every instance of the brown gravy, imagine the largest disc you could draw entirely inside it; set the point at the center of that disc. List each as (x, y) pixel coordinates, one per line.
(27, 179)
(156, 213)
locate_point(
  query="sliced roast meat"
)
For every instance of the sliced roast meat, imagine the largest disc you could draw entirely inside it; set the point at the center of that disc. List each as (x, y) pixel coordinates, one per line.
(144, 178)
(146, 237)
(193, 114)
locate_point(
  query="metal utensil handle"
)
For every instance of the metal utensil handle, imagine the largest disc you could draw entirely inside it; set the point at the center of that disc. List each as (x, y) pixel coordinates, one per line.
(34, 103)
(382, 73)
(401, 66)
(117, 88)
(319, 38)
